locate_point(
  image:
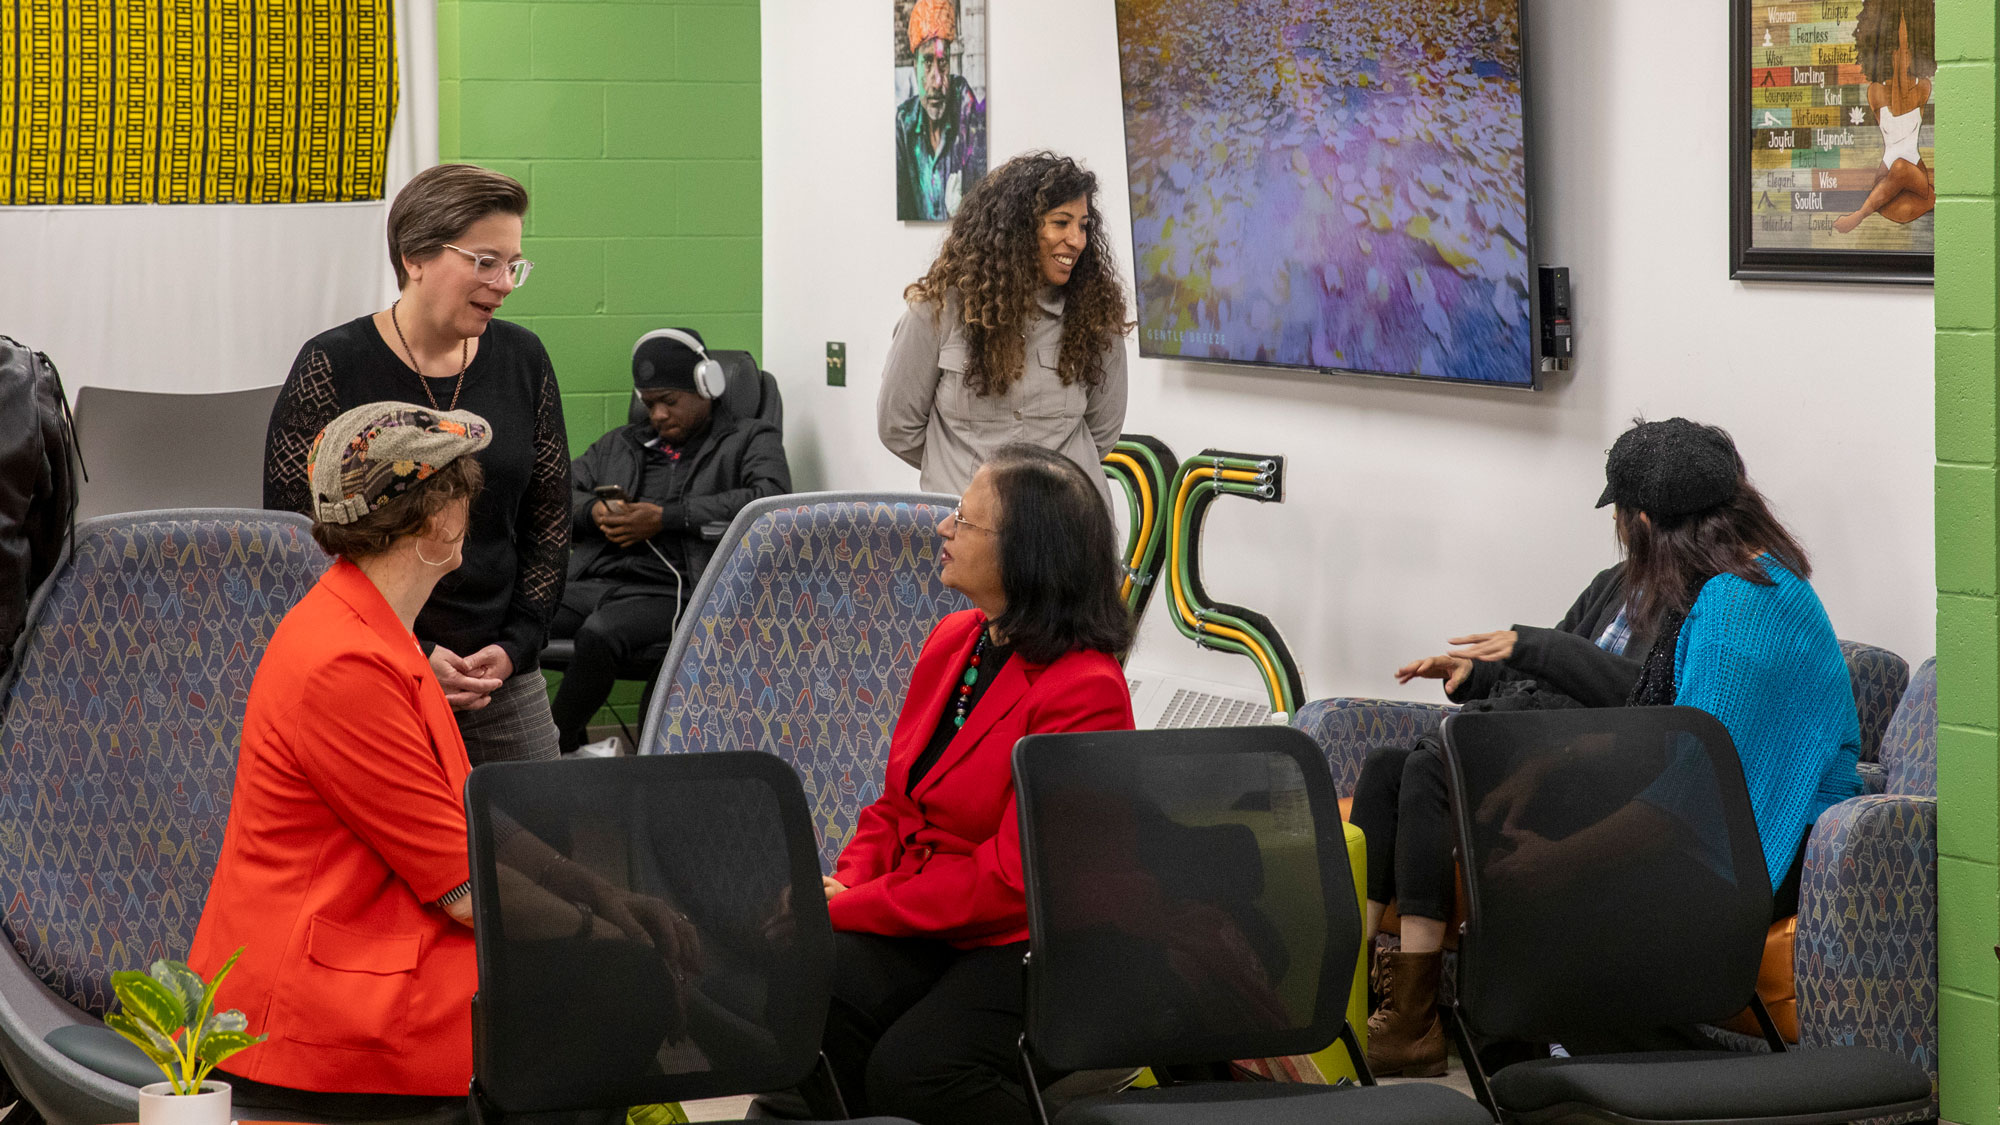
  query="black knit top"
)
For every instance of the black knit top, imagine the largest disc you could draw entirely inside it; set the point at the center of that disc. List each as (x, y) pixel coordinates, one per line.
(518, 542)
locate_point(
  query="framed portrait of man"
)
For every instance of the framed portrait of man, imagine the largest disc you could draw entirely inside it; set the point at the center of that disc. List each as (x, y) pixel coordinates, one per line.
(940, 105)
(1832, 167)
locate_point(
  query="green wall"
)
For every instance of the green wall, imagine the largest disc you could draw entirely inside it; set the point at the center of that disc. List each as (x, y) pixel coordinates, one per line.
(635, 127)
(1968, 580)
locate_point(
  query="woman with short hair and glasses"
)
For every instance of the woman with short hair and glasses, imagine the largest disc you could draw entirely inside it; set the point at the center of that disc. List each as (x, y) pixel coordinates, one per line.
(927, 899)
(455, 242)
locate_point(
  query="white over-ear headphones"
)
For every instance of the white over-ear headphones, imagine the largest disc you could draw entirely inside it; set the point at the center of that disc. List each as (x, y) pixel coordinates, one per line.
(710, 380)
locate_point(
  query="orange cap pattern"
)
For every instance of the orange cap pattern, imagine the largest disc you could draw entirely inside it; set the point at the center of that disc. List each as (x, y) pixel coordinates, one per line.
(932, 19)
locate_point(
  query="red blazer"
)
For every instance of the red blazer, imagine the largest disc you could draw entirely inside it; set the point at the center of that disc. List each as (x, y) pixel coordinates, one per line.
(346, 824)
(945, 862)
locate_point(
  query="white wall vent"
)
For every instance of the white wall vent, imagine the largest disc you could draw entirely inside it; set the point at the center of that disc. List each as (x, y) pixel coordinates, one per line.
(1165, 702)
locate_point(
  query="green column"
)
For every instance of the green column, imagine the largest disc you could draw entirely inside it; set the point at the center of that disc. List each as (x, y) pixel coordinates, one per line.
(1967, 626)
(636, 128)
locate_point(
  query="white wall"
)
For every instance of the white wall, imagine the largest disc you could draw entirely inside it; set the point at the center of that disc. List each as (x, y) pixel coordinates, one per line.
(1415, 512)
(194, 299)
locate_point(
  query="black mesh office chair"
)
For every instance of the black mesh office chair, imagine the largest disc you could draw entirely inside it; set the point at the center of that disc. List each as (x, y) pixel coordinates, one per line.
(1617, 894)
(648, 930)
(1190, 902)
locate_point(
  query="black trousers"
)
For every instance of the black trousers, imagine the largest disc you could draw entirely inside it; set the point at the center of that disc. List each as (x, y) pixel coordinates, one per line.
(613, 623)
(1402, 805)
(921, 1030)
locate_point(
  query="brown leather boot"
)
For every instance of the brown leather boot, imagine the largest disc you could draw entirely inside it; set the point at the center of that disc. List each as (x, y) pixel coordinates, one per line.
(1405, 1035)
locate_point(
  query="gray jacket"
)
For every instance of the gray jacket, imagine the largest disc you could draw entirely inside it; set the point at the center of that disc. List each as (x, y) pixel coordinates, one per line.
(928, 417)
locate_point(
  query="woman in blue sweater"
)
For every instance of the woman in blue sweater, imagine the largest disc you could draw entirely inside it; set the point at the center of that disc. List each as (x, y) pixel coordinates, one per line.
(1720, 584)
(1741, 635)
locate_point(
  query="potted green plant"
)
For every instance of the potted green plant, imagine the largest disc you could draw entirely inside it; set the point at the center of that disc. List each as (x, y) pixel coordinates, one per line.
(170, 1014)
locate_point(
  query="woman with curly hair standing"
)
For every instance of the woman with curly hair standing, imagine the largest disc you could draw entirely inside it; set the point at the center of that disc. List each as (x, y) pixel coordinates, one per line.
(1015, 333)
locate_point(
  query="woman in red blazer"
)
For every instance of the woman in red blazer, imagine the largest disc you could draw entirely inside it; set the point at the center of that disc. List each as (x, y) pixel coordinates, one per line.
(927, 897)
(343, 870)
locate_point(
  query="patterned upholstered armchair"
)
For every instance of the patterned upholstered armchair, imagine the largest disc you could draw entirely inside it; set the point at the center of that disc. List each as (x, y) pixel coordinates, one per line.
(1880, 677)
(803, 634)
(1866, 960)
(1347, 730)
(120, 727)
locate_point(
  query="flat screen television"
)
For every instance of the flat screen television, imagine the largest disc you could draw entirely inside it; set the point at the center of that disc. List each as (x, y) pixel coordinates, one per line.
(1339, 185)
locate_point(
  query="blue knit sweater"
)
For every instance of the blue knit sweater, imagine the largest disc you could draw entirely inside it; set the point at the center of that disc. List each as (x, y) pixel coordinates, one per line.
(1764, 661)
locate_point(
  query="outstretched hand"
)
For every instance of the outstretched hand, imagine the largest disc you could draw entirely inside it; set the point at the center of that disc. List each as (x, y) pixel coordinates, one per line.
(1451, 669)
(1488, 648)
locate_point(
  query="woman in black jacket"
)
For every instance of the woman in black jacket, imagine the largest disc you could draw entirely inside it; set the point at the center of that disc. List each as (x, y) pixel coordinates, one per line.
(1589, 659)
(640, 551)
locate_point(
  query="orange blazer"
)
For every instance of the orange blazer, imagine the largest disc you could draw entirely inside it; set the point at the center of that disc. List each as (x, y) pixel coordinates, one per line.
(945, 861)
(346, 824)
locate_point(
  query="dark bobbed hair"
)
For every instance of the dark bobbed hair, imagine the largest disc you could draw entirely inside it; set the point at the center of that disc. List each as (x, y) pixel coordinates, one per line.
(406, 515)
(1668, 560)
(437, 206)
(1875, 37)
(1059, 564)
(992, 259)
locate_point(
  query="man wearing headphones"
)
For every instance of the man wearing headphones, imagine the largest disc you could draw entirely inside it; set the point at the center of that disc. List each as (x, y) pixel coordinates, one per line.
(640, 497)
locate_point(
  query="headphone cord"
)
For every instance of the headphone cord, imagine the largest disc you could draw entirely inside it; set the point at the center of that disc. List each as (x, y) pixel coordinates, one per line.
(679, 604)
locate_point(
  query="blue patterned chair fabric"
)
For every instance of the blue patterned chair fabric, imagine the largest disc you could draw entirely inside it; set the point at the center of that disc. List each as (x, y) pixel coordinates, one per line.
(1909, 746)
(1348, 729)
(1879, 677)
(121, 728)
(805, 629)
(1866, 957)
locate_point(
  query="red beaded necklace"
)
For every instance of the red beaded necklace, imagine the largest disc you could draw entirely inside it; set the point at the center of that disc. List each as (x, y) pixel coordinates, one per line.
(966, 681)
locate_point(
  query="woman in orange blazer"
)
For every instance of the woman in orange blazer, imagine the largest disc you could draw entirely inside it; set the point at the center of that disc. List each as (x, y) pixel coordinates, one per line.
(343, 872)
(927, 897)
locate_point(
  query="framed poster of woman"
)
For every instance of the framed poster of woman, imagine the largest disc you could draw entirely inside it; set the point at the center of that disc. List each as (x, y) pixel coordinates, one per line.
(1832, 169)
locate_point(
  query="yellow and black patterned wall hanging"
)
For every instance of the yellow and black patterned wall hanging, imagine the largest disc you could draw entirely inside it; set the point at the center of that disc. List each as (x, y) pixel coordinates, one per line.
(195, 101)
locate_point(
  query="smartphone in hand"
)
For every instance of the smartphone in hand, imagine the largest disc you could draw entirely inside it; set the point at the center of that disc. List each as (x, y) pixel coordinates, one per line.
(613, 496)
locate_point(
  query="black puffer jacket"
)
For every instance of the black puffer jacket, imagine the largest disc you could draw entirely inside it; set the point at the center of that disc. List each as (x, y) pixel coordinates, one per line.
(738, 460)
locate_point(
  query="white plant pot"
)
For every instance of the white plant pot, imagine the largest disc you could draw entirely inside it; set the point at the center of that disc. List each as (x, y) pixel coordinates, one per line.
(159, 1105)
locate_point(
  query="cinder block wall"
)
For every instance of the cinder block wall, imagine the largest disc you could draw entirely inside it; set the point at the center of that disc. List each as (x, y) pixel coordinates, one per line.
(1968, 629)
(635, 127)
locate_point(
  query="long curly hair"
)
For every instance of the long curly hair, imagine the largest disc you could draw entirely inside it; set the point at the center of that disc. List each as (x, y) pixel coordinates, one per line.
(992, 259)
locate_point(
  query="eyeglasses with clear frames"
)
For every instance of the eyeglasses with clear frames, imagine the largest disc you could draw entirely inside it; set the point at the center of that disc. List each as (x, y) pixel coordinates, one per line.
(486, 269)
(961, 521)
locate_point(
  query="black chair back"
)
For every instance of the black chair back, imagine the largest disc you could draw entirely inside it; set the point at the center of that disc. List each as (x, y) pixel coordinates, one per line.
(717, 848)
(1579, 829)
(1189, 896)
